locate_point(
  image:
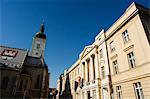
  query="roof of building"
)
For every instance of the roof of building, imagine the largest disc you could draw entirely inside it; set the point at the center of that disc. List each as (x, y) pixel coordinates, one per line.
(15, 58)
(40, 35)
(34, 61)
(12, 57)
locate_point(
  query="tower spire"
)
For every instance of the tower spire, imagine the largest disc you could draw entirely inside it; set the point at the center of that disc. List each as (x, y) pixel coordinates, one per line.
(42, 28)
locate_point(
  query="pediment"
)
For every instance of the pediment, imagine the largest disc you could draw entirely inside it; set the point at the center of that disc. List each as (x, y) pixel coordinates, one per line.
(85, 51)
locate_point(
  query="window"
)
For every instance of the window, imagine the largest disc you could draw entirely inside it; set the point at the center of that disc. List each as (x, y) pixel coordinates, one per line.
(115, 66)
(112, 95)
(26, 84)
(70, 75)
(78, 71)
(75, 73)
(125, 36)
(112, 47)
(138, 90)
(131, 59)
(72, 85)
(103, 71)
(4, 83)
(119, 92)
(36, 53)
(37, 83)
(45, 85)
(94, 94)
(38, 46)
(21, 84)
(101, 53)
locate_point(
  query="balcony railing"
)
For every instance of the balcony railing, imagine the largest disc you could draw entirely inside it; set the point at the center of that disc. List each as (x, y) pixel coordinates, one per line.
(92, 82)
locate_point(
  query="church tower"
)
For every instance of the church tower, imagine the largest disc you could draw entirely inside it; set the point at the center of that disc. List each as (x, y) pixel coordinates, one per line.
(38, 45)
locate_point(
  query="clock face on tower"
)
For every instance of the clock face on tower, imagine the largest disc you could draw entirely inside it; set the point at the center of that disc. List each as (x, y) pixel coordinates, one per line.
(37, 49)
(37, 46)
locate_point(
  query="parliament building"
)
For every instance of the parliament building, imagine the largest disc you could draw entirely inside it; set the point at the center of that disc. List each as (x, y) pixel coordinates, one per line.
(116, 65)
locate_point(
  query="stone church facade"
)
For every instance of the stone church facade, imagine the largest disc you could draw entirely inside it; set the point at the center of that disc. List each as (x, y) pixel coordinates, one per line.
(24, 74)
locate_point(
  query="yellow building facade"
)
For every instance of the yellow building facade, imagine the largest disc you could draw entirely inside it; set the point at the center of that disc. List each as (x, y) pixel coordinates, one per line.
(116, 65)
(129, 54)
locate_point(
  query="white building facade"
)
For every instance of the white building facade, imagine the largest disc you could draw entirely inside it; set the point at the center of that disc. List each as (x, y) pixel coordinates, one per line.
(116, 65)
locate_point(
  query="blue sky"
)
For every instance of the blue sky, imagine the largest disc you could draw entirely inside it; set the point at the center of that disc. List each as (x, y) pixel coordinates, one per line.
(70, 25)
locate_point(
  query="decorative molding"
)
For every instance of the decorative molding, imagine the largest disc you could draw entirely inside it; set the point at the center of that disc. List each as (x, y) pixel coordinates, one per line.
(128, 48)
(114, 56)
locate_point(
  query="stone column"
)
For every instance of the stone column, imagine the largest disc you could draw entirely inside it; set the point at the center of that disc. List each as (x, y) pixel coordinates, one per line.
(97, 72)
(88, 69)
(91, 69)
(93, 66)
(98, 93)
(86, 72)
(83, 71)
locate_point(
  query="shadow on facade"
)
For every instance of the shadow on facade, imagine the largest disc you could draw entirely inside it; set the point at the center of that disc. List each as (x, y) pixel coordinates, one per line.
(66, 93)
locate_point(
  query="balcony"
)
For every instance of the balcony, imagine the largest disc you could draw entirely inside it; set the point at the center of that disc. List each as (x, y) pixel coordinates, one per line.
(87, 83)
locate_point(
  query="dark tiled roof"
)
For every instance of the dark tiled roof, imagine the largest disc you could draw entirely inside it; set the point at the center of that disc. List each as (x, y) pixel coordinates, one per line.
(34, 61)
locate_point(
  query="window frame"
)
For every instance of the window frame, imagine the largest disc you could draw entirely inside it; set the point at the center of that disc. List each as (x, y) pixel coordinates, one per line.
(119, 92)
(131, 59)
(94, 94)
(103, 71)
(38, 82)
(140, 91)
(112, 47)
(101, 53)
(125, 36)
(4, 82)
(115, 64)
(21, 85)
(38, 46)
(78, 70)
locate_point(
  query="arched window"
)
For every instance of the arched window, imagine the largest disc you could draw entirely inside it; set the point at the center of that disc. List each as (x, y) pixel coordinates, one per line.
(37, 83)
(26, 84)
(21, 84)
(4, 83)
